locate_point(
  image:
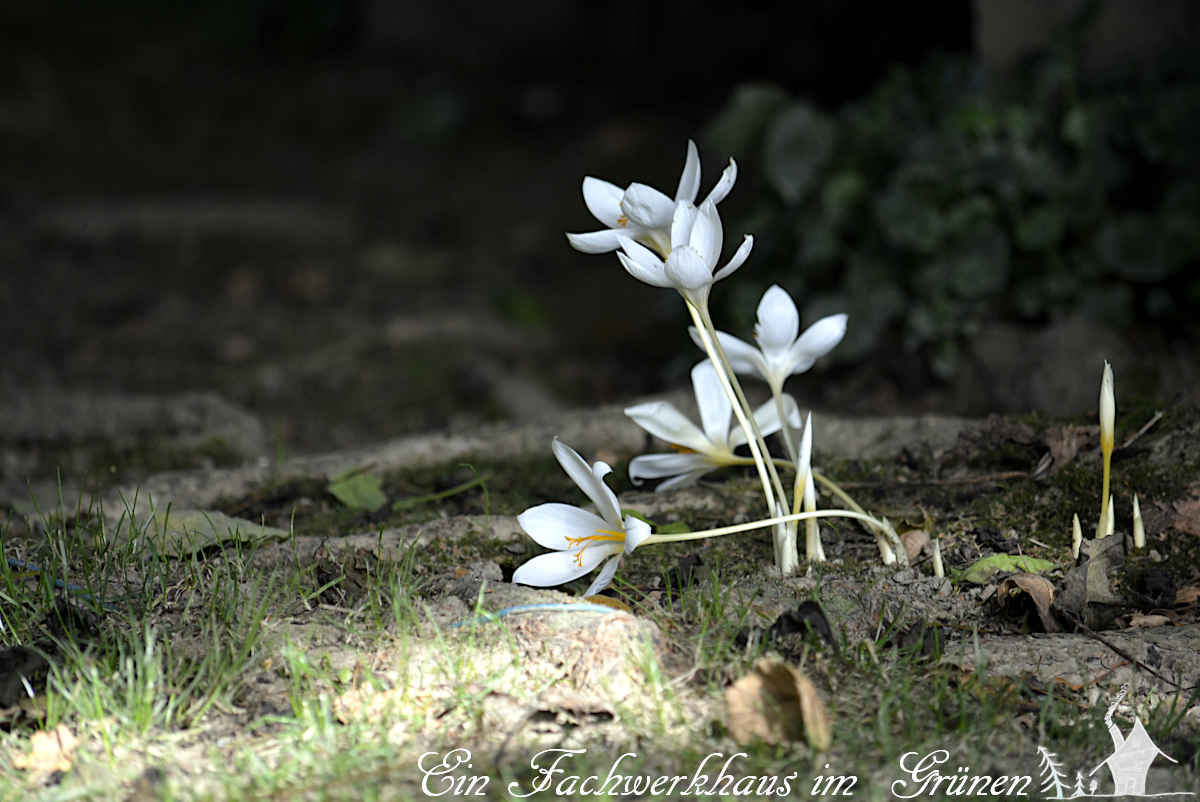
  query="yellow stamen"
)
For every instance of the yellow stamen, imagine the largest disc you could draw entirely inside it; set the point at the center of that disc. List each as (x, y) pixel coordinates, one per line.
(601, 535)
(682, 449)
(622, 221)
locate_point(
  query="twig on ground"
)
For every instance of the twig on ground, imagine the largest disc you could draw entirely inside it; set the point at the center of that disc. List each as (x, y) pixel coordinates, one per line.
(1158, 413)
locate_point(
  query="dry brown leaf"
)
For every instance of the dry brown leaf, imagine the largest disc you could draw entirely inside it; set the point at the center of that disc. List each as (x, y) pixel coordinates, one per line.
(1136, 621)
(609, 601)
(1038, 588)
(1065, 442)
(48, 751)
(1187, 595)
(914, 540)
(777, 703)
(1187, 515)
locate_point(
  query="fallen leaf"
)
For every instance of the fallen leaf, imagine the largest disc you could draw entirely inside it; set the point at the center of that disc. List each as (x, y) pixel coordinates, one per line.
(1136, 621)
(980, 571)
(1065, 442)
(359, 491)
(48, 751)
(609, 601)
(1038, 589)
(807, 617)
(777, 703)
(1187, 595)
(914, 540)
(1187, 515)
(1086, 590)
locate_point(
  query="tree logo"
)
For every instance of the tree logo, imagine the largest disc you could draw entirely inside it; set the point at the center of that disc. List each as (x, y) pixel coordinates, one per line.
(1128, 764)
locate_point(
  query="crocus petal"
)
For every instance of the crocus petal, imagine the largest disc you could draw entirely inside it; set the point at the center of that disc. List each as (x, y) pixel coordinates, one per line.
(767, 418)
(595, 241)
(667, 423)
(636, 532)
(603, 201)
(714, 405)
(638, 252)
(646, 206)
(778, 321)
(610, 506)
(654, 274)
(816, 341)
(743, 357)
(689, 181)
(656, 466)
(605, 577)
(724, 184)
(589, 481)
(686, 480)
(739, 257)
(683, 219)
(707, 235)
(687, 270)
(557, 567)
(551, 524)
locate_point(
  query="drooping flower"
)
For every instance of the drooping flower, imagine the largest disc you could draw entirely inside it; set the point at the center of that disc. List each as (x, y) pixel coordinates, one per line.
(641, 212)
(698, 450)
(780, 351)
(696, 240)
(581, 539)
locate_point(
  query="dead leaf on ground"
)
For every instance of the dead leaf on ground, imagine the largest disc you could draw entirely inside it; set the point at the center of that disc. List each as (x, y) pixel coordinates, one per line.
(1065, 442)
(1187, 595)
(48, 751)
(1187, 513)
(1086, 590)
(1136, 621)
(1038, 589)
(777, 703)
(914, 540)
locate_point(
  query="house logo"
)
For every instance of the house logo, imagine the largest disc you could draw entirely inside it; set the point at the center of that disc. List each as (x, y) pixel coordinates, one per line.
(1129, 764)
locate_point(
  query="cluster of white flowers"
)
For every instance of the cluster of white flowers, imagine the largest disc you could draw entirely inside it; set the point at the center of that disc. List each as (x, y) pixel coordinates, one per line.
(677, 244)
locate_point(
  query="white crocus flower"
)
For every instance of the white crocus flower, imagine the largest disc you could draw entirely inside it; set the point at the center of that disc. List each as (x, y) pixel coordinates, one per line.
(696, 240)
(781, 351)
(641, 212)
(700, 450)
(581, 539)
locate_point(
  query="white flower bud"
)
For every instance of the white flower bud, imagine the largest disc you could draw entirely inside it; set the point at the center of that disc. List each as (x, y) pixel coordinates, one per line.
(1139, 528)
(1108, 409)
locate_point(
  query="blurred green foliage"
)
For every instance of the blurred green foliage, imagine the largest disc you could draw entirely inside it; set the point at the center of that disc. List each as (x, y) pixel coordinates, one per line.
(949, 197)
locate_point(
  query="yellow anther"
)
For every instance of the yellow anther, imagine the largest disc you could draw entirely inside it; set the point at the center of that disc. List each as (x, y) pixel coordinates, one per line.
(622, 221)
(584, 542)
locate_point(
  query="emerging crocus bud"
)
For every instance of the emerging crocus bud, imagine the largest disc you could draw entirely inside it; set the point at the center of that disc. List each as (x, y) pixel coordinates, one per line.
(939, 570)
(884, 540)
(812, 530)
(1108, 410)
(1108, 413)
(1109, 517)
(1139, 528)
(1076, 537)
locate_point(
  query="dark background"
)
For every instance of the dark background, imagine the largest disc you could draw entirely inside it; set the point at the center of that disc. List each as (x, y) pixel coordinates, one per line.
(347, 217)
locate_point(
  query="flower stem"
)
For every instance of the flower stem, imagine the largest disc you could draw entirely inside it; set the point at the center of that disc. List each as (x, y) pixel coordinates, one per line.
(709, 342)
(753, 433)
(787, 559)
(761, 524)
(777, 392)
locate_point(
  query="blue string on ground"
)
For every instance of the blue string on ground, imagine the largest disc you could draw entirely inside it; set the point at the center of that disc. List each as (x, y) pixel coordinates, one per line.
(21, 565)
(565, 607)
